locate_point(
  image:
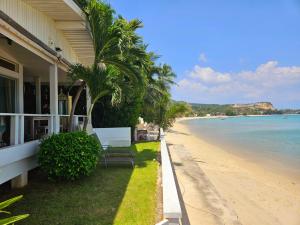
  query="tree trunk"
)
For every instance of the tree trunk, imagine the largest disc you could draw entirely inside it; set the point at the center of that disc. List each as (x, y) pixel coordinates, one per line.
(89, 112)
(78, 93)
(85, 123)
(88, 115)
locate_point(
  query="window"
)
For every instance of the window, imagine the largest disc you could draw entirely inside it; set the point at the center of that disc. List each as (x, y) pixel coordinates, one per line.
(7, 95)
(9, 65)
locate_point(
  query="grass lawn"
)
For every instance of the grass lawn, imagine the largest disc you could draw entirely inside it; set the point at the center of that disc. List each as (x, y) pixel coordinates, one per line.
(116, 195)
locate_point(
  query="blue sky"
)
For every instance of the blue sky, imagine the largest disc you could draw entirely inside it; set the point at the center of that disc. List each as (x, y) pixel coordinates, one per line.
(230, 51)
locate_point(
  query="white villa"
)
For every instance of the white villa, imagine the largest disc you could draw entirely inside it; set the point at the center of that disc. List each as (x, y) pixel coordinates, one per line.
(39, 39)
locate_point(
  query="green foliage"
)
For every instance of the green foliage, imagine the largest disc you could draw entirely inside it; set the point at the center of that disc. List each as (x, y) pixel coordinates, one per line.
(229, 110)
(123, 81)
(125, 114)
(213, 109)
(158, 106)
(68, 156)
(176, 110)
(12, 219)
(230, 113)
(120, 55)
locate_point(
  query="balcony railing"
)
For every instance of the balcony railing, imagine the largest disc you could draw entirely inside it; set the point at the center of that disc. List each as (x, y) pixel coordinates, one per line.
(16, 128)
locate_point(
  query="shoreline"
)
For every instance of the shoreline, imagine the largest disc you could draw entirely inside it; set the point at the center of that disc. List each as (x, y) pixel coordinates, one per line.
(248, 187)
(224, 117)
(275, 164)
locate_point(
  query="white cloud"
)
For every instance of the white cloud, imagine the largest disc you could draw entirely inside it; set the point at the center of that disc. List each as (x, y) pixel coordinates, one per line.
(268, 81)
(208, 75)
(202, 57)
(188, 84)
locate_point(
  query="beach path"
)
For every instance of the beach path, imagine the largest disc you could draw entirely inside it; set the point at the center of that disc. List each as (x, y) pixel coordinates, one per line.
(201, 201)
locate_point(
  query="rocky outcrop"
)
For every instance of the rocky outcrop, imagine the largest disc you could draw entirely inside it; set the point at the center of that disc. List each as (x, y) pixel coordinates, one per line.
(257, 105)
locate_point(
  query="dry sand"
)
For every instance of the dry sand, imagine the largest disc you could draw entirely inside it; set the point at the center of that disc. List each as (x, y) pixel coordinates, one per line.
(219, 187)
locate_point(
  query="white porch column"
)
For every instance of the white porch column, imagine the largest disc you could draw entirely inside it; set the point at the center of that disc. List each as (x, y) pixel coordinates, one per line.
(20, 181)
(20, 102)
(17, 130)
(38, 96)
(53, 82)
(89, 128)
(14, 127)
(21, 129)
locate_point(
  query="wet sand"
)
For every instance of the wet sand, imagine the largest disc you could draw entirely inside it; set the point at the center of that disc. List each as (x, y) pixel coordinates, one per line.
(219, 187)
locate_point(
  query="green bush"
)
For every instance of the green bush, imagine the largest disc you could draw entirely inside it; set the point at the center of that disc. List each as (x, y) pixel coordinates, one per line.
(68, 156)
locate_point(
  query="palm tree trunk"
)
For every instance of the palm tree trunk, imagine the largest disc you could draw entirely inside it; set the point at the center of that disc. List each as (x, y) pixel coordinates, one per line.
(78, 93)
(88, 115)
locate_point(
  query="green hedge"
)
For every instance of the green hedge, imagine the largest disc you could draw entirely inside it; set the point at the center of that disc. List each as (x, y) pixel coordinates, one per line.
(68, 156)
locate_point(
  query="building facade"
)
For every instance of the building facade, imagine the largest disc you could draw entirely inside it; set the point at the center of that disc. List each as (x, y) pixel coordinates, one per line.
(39, 40)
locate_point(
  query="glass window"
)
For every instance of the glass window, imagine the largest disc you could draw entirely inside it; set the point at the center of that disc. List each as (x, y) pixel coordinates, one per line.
(7, 95)
(8, 65)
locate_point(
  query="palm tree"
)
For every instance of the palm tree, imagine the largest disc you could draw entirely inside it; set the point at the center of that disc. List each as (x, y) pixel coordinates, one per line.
(166, 77)
(158, 97)
(100, 82)
(119, 51)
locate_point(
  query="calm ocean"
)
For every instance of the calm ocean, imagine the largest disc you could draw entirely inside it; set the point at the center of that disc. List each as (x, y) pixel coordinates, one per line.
(267, 138)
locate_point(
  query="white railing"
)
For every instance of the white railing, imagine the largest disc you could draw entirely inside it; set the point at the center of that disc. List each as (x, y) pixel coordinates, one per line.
(51, 124)
(171, 205)
(17, 125)
(18, 152)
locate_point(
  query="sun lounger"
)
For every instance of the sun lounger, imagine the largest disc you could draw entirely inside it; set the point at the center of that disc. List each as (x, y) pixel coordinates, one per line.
(118, 160)
(115, 156)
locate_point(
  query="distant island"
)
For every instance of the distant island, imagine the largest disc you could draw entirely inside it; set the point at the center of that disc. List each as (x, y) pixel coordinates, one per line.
(258, 108)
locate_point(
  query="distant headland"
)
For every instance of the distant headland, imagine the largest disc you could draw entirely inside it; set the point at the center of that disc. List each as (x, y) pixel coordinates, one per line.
(257, 108)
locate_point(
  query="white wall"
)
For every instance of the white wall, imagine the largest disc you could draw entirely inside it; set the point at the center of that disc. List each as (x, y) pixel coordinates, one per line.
(171, 204)
(17, 159)
(115, 137)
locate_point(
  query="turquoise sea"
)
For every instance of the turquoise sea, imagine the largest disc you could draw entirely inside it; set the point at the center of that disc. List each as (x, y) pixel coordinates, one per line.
(266, 139)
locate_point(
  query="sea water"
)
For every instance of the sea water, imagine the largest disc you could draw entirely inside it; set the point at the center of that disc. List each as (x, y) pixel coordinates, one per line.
(264, 139)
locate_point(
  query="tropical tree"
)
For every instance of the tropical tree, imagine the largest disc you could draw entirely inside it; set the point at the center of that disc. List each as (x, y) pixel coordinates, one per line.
(122, 71)
(127, 112)
(158, 95)
(119, 55)
(175, 110)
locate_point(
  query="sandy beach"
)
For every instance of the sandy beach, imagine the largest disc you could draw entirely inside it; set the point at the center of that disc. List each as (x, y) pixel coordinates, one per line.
(219, 187)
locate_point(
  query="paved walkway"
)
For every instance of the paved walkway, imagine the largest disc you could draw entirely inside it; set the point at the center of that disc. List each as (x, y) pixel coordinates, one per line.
(201, 203)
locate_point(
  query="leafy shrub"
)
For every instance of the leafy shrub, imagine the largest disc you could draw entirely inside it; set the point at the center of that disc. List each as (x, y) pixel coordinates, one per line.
(11, 219)
(68, 156)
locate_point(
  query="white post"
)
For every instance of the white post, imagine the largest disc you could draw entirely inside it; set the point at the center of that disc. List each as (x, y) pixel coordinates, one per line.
(17, 133)
(89, 128)
(14, 134)
(50, 125)
(21, 130)
(53, 80)
(20, 108)
(20, 181)
(38, 98)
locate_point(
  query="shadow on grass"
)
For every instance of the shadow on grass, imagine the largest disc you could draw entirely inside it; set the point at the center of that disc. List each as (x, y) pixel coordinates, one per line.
(91, 200)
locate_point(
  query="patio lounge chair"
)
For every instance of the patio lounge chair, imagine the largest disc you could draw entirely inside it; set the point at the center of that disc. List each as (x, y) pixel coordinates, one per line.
(115, 156)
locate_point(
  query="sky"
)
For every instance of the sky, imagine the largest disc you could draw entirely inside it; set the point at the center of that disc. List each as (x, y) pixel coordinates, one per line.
(233, 51)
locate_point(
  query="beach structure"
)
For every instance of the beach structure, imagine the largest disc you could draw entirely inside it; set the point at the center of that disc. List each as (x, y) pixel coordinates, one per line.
(39, 40)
